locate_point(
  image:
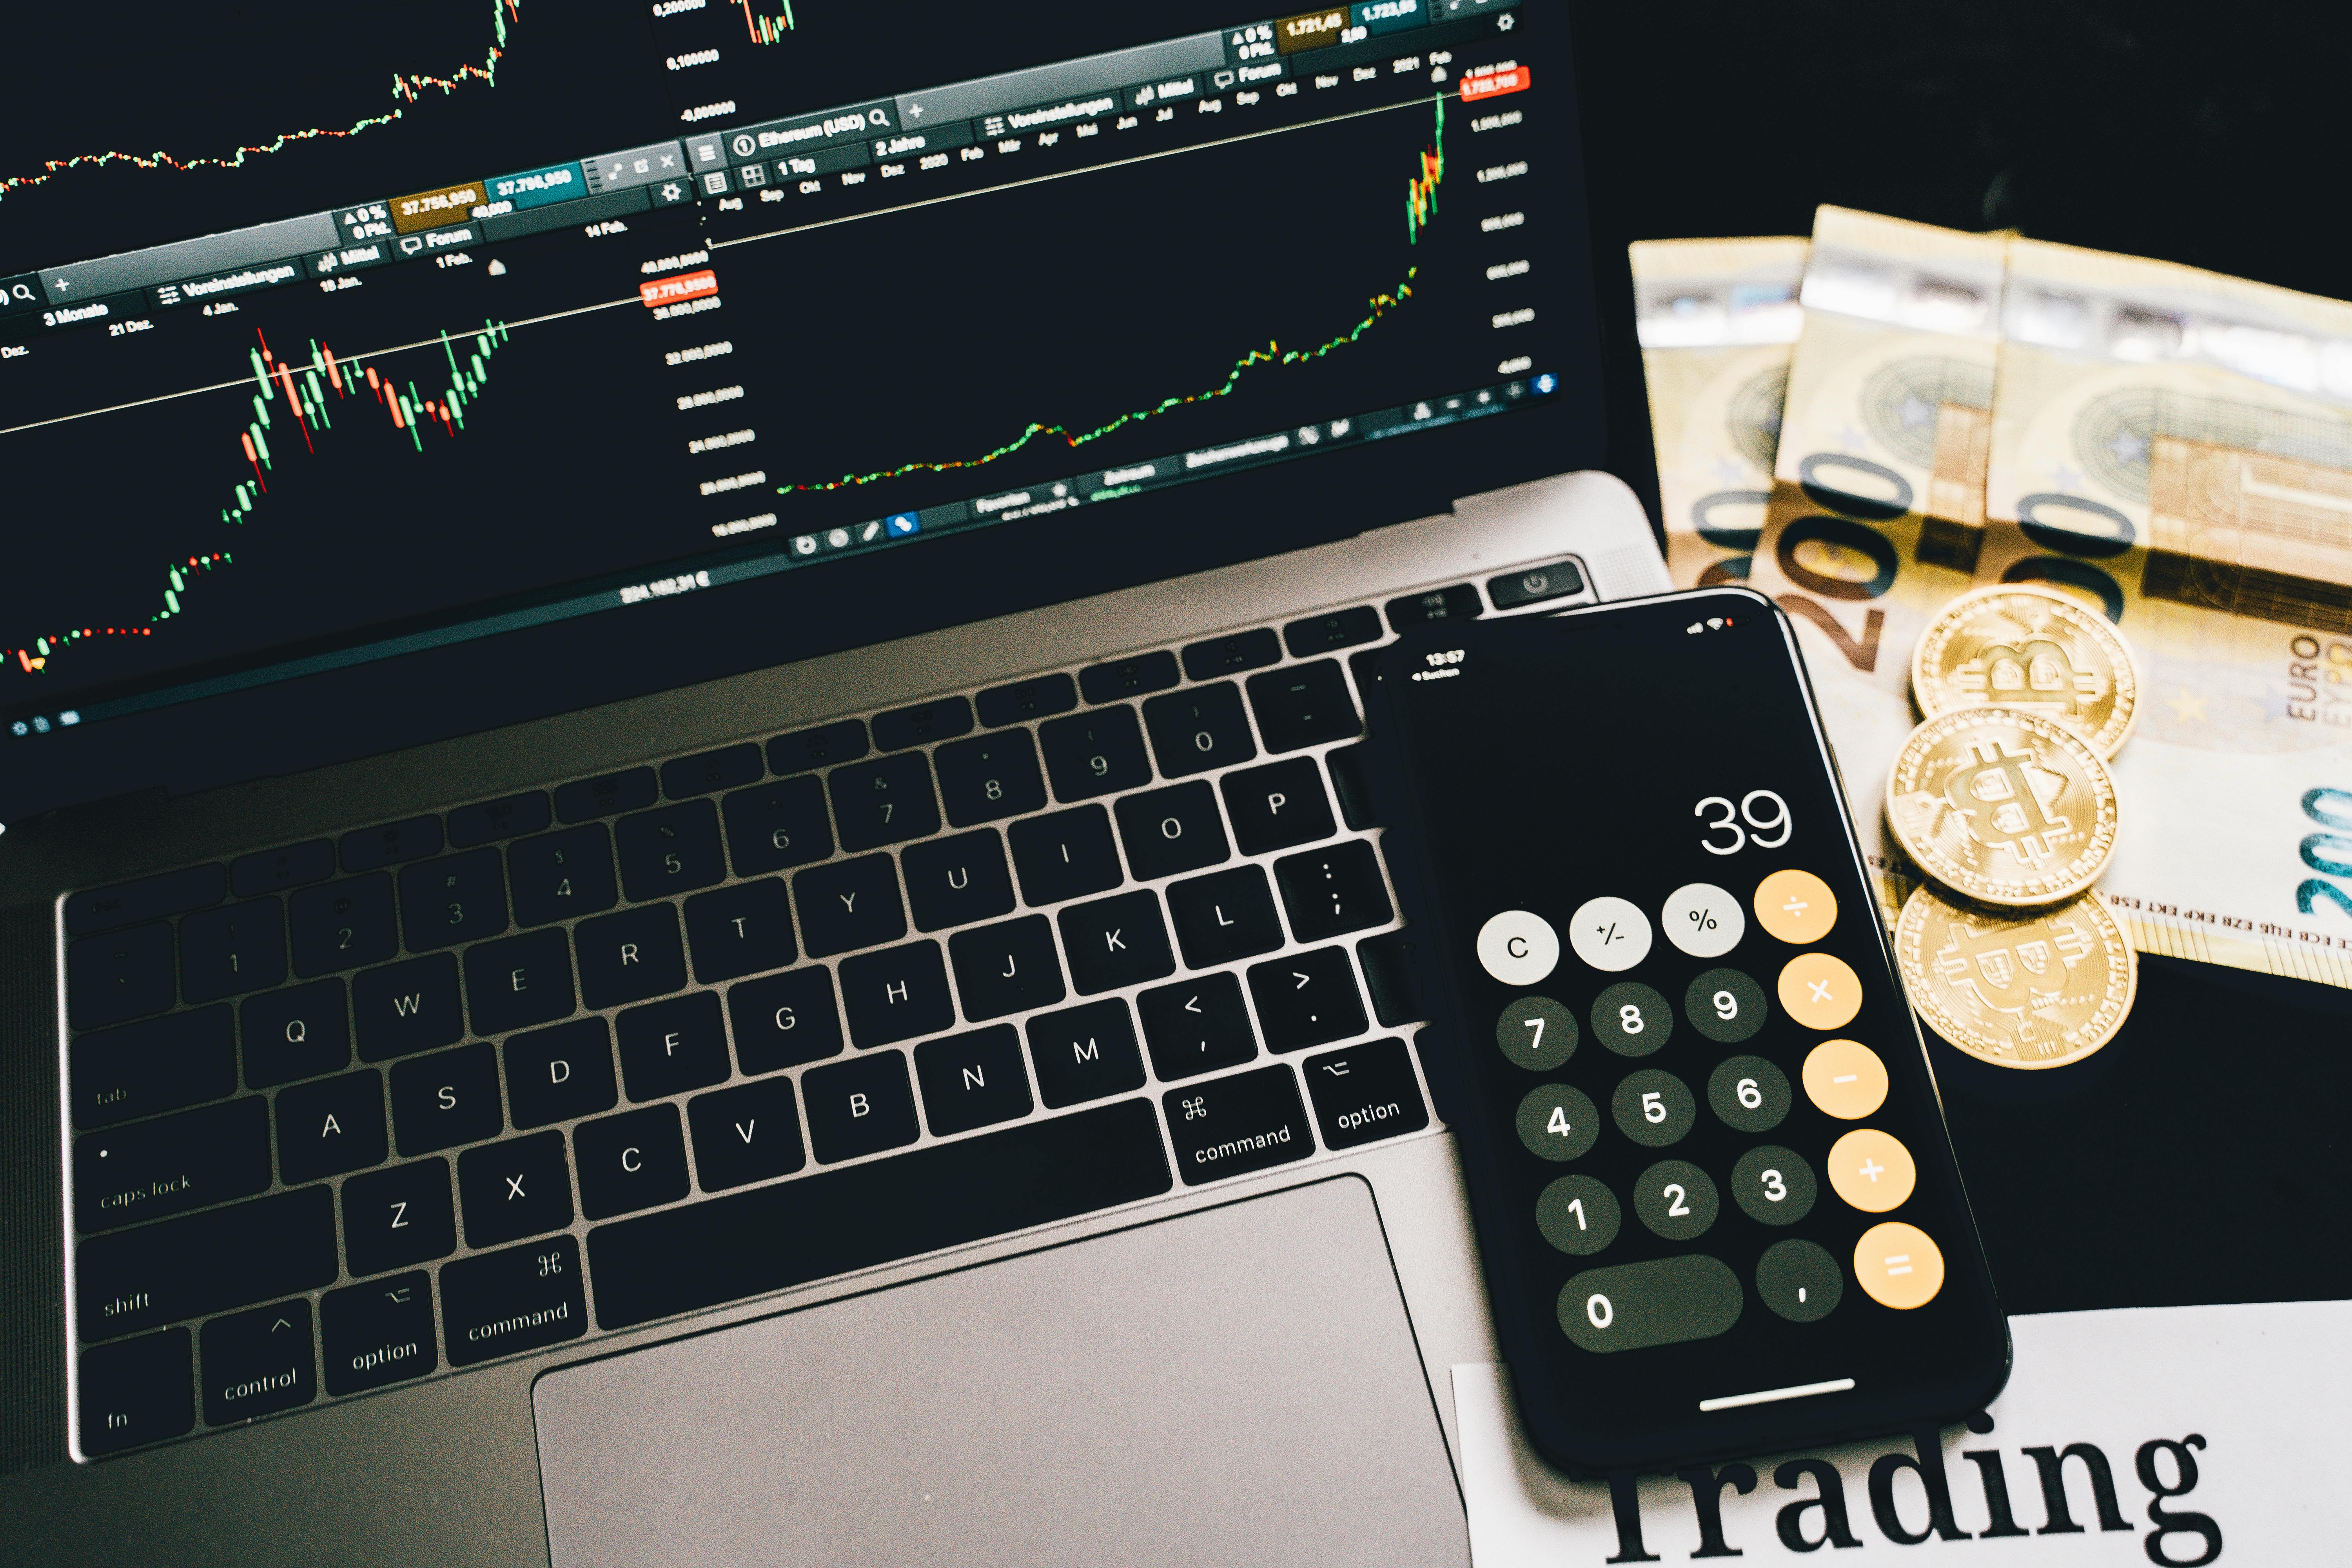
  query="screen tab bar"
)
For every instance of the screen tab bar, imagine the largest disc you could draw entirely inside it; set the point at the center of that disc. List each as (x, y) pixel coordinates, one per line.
(1070, 79)
(136, 269)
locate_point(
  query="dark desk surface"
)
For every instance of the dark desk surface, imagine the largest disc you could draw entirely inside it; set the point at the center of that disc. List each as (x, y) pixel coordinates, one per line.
(2202, 1156)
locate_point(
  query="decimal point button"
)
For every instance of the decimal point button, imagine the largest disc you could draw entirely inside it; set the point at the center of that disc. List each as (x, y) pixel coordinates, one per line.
(1518, 947)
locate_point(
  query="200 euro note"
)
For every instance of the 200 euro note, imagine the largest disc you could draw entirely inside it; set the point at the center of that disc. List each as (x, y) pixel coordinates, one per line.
(1716, 318)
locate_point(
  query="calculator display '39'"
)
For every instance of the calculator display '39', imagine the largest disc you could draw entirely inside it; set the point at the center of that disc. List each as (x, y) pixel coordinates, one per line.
(1713, 1189)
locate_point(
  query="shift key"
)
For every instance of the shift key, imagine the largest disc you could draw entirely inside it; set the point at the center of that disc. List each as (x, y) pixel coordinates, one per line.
(150, 1169)
(1228, 1126)
(202, 1263)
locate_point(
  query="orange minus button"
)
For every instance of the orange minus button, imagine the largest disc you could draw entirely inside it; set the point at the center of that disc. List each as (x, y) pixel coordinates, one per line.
(1488, 81)
(685, 286)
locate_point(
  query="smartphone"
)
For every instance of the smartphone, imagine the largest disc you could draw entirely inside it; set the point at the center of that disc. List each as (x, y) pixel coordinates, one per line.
(1717, 1208)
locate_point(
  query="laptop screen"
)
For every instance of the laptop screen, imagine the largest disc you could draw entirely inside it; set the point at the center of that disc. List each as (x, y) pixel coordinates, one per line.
(362, 382)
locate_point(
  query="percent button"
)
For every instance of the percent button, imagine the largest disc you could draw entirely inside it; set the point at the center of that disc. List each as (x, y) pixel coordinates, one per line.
(1704, 921)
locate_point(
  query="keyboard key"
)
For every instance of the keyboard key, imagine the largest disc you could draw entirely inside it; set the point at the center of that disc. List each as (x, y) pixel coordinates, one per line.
(369, 847)
(668, 1047)
(1392, 978)
(492, 821)
(747, 1133)
(702, 1254)
(557, 875)
(1232, 654)
(1116, 941)
(519, 981)
(1007, 968)
(990, 776)
(136, 1391)
(232, 951)
(1066, 855)
(955, 881)
(1194, 731)
(1277, 806)
(858, 1107)
(277, 870)
(343, 925)
(454, 899)
(149, 897)
(260, 1361)
(973, 1081)
(1328, 891)
(1168, 831)
(886, 801)
(1307, 999)
(785, 1019)
(843, 740)
(1130, 676)
(630, 1161)
(741, 929)
(406, 1008)
(1535, 583)
(849, 904)
(729, 768)
(123, 974)
(330, 1126)
(629, 956)
(554, 1074)
(1332, 630)
(509, 1302)
(1250, 1121)
(1196, 1027)
(1085, 1053)
(444, 1099)
(669, 850)
(1040, 697)
(1225, 917)
(145, 1171)
(1456, 603)
(923, 724)
(1351, 781)
(378, 1334)
(608, 795)
(777, 825)
(159, 1065)
(301, 1033)
(1302, 705)
(1364, 1093)
(896, 995)
(511, 1190)
(1087, 754)
(399, 1216)
(203, 1263)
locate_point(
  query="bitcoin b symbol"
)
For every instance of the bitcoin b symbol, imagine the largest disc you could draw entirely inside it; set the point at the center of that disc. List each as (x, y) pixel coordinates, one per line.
(2039, 676)
(1997, 799)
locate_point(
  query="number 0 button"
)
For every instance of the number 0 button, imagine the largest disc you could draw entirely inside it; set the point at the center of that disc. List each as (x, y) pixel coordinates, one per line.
(1872, 1169)
(1652, 1108)
(1820, 990)
(1556, 1122)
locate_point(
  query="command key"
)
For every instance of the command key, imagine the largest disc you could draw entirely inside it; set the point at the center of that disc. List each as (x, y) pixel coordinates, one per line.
(1231, 1126)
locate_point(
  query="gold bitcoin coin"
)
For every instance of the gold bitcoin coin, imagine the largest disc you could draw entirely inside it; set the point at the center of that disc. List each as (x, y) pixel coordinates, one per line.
(2020, 991)
(2003, 807)
(2033, 650)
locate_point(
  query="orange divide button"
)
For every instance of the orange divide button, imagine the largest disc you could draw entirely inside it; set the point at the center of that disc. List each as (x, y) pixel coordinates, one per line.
(1795, 906)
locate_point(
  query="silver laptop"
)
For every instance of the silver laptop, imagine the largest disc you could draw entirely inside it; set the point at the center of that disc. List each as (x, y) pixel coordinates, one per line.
(686, 876)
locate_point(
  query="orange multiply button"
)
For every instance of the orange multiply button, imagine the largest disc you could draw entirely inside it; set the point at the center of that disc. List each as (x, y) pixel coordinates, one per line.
(1820, 990)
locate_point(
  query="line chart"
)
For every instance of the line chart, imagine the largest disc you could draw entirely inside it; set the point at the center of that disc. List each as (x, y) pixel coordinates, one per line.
(1424, 197)
(309, 390)
(408, 88)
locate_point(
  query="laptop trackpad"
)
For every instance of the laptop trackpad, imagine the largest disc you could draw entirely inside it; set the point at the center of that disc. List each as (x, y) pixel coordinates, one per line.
(1238, 1385)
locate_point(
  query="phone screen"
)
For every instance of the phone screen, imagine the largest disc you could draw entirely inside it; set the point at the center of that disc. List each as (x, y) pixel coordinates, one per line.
(1717, 1206)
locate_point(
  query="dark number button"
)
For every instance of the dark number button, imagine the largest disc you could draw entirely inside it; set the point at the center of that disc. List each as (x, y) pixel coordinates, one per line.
(669, 850)
(226, 953)
(991, 776)
(558, 874)
(1676, 1200)
(1654, 1108)
(773, 826)
(1095, 753)
(342, 925)
(884, 802)
(1799, 1281)
(378, 1334)
(1631, 1019)
(1194, 731)
(1725, 1005)
(1579, 1215)
(1665, 1302)
(454, 899)
(1537, 1032)
(1774, 1186)
(1749, 1093)
(1556, 1122)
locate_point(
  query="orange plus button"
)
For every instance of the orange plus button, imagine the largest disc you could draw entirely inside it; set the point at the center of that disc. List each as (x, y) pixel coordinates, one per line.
(1872, 1169)
(1846, 1079)
(1795, 906)
(1820, 991)
(1898, 1265)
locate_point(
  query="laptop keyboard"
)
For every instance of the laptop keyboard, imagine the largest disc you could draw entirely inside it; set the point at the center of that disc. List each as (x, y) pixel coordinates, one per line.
(354, 1111)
